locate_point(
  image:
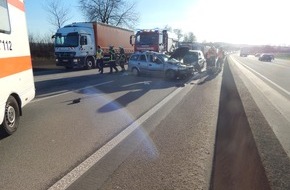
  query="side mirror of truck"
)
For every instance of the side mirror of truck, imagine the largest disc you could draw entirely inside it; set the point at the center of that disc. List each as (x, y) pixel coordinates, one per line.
(83, 40)
(131, 39)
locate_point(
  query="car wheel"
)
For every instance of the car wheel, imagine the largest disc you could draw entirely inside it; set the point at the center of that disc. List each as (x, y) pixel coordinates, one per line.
(170, 74)
(198, 68)
(12, 116)
(89, 63)
(135, 72)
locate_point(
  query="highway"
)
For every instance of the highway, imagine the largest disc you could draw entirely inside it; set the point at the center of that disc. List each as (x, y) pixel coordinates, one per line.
(268, 83)
(85, 130)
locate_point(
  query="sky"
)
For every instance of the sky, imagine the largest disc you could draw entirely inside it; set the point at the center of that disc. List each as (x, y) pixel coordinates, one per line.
(255, 22)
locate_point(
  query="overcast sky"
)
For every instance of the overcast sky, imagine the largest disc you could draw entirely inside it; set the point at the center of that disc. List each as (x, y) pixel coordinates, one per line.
(234, 21)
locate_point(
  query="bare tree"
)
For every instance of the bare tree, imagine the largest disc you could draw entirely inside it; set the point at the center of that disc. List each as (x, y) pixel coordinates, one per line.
(168, 28)
(114, 12)
(58, 13)
(189, 37)
(178, 32)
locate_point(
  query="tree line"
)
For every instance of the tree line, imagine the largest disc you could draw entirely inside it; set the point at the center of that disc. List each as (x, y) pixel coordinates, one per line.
(114, 12)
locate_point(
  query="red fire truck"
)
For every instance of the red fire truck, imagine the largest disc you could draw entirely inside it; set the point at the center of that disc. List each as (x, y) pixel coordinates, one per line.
(154, 40)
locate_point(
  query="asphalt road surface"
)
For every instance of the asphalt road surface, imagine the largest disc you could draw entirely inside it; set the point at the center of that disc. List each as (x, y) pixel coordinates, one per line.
(90, 131)
(268, 83)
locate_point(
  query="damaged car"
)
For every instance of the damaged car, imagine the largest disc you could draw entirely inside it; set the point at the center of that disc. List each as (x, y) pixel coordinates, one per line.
(158, 64)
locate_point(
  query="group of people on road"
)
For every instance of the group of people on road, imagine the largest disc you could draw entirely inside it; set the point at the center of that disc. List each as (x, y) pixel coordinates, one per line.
(113, 58)
(215, 57)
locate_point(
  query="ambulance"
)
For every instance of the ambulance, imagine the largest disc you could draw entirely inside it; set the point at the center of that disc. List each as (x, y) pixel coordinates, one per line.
(16, 76)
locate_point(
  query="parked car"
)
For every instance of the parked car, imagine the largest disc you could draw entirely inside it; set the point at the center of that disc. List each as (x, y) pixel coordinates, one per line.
(159, 64)
(190, 57)
(266, 57)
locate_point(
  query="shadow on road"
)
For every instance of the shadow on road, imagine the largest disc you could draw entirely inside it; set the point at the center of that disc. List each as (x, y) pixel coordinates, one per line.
(237, 164)
(3, 134)
(138, 89)
(47, 71)
(209, 77)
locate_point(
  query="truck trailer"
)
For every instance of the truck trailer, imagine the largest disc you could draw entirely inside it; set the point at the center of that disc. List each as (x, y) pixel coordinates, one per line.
(76, 44)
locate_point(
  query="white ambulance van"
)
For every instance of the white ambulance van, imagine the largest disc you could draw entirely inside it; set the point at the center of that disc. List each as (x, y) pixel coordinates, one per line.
(16, 76)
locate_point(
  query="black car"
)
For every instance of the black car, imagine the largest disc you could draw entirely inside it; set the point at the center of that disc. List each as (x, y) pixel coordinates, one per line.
(266, 57)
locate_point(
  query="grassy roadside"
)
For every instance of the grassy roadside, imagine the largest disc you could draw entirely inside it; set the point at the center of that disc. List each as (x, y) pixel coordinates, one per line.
(285, 56)
(43, 63)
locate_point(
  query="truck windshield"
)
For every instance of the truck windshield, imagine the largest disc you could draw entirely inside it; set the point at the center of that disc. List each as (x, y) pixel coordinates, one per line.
(69, 40)
(147, 38)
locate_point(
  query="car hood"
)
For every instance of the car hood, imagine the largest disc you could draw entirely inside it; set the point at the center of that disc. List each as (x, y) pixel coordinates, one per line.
(179, 53)
(177, 64)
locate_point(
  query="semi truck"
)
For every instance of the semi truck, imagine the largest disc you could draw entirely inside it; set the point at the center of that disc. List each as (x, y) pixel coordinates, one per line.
(155, 40)
(244, 52)
(16, 76)
(76, 44)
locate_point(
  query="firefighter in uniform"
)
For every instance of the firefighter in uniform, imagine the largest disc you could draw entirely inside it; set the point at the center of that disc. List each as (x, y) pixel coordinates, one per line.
(112, 60)
(122, 58)
(100, 59)
(211, 56)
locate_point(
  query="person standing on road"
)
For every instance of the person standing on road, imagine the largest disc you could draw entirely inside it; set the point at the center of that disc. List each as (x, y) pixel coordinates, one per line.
(211, 56)
(221, 56)
(100, 59)
(112, 60)
(122, 58)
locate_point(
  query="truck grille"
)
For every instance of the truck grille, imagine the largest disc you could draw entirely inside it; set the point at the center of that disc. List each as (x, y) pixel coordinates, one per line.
(65, 54)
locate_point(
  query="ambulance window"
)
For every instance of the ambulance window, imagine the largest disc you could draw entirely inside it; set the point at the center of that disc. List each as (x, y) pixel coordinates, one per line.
(4, 17)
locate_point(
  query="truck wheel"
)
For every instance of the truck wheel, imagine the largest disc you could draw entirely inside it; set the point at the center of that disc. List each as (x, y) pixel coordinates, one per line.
(12, 116)
(170, 74)
(135, 72)
(89, 63)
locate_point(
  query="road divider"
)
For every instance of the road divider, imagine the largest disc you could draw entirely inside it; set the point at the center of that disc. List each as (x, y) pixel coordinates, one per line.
(280, 102)
(262, 76)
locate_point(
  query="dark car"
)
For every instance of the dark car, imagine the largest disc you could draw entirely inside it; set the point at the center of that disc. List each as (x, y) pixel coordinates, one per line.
(266, 57)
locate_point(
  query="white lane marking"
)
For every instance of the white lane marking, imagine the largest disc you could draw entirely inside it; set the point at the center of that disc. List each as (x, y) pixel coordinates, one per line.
(136, 83)
(279, 102)
(78, 171)
(63, 92)
(273, 83)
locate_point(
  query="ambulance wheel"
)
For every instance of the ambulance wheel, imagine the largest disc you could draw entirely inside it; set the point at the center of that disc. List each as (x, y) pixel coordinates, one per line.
(12, 116)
